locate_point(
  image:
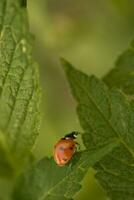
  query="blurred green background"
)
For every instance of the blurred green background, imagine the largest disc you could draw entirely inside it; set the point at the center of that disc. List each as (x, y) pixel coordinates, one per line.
(90, 34)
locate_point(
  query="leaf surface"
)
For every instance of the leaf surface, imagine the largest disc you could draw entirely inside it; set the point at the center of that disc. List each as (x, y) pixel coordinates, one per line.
(19, 87)
(47, 181)
(106, 114)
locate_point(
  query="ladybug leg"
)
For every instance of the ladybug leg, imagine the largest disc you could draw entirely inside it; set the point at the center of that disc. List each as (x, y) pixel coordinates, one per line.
(78, 146)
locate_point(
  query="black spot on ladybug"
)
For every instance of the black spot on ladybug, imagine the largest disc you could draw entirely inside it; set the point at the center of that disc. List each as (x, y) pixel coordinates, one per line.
(61, 148)
(71, 148)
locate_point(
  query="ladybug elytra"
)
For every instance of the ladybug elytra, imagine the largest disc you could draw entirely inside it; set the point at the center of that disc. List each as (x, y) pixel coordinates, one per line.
(65, 148)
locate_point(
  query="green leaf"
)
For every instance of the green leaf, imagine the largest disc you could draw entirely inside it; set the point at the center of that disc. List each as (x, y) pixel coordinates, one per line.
(47, 181)
(122, 76)
(19, 87)
(106, 114)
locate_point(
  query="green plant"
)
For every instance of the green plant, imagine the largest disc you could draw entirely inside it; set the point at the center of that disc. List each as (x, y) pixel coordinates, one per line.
(105, 109)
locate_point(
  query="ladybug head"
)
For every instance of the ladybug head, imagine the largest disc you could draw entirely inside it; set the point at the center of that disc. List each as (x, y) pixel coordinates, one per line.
(72, 135)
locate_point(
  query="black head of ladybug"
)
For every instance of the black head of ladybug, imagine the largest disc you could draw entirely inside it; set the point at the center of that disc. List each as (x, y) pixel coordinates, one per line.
(72, 135)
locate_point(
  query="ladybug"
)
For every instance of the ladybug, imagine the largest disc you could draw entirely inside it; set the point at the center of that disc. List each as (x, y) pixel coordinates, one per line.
(65, 148)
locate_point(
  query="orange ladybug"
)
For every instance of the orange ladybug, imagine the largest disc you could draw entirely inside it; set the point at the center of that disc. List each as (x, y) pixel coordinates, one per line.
(65, 148)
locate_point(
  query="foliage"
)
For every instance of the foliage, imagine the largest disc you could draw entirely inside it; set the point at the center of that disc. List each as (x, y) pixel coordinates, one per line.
(19, 87)
(105, 114)
(49, 181)
(122, 76)
(105, 110)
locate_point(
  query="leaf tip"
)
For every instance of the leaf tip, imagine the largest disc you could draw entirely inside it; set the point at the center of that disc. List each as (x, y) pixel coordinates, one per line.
(65, 64)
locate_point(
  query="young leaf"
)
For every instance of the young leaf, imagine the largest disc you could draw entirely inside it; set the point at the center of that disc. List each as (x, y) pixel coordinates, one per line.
(106, 114)
(47, 181)
(122, 76)
(19, 87)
